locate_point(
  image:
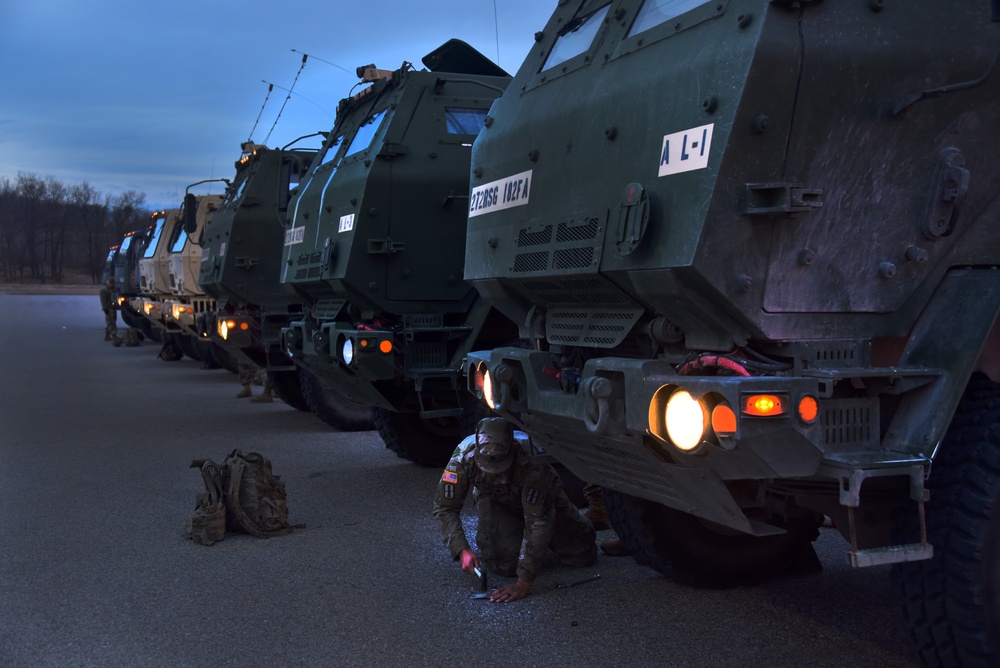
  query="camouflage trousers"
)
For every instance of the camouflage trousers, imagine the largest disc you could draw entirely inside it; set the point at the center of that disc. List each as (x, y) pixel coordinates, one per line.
(111, 323)
(501, 531)
(246, 373)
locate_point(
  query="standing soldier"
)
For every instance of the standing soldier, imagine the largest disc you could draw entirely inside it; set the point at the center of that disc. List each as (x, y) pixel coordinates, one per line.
(523, 510)
(110, 310)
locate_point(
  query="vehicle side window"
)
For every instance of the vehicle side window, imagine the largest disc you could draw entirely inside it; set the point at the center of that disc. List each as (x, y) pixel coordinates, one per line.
(365, 134)
(461, 121)
(181, 240)
(655, 12)
(576, 37)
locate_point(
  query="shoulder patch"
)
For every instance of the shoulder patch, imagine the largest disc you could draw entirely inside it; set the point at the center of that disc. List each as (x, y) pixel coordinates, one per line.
(450, 476)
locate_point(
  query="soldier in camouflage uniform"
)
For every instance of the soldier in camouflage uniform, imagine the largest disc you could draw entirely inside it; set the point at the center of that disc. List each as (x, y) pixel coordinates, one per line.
(109, 307)
(523, 510)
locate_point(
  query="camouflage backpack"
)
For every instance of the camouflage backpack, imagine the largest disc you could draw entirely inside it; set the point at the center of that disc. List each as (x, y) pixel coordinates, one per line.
(242, 494)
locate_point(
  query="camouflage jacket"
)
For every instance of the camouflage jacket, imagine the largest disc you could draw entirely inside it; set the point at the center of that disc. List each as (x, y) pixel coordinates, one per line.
(107, 299)
(524, 487)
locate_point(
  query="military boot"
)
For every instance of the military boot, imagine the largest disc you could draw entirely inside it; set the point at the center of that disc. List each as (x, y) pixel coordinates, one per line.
(244, 393)
(264, 397)
(596, 511)
(614, 547)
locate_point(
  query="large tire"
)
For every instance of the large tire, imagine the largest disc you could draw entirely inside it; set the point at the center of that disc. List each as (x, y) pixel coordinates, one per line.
(332, 407)
(206, 351)
(951, 603)
(151, 332)
(188, 346)
(423, 442)
(286, 385)
(704, 554)
(225, 358)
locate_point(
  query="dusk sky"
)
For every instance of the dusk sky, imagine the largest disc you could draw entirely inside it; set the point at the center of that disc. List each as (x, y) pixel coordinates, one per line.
(152, 97)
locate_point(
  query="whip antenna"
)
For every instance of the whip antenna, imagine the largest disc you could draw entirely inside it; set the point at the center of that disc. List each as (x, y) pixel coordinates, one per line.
(496, 27)
(287, 97)
(261, 112)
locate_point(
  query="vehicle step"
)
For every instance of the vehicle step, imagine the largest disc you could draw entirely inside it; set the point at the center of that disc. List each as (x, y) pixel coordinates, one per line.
(893, 554)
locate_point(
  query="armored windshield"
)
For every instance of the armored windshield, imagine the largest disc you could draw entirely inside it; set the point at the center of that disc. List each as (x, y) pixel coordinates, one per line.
(655, 12)
(365, 134)
(154, 240)
(576, 37)
(331, 151)
(461, 121)
(126, 242)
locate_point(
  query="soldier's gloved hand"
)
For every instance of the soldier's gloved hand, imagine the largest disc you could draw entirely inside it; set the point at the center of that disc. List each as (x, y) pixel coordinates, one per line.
(511, 592)
(469, 561)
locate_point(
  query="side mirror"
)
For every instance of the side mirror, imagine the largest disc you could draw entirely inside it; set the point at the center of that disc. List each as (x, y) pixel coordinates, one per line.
(190, 214)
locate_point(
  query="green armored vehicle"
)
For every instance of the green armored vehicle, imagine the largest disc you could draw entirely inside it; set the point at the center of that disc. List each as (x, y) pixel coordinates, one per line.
(375, 244)
(241, 260)
(754, 247)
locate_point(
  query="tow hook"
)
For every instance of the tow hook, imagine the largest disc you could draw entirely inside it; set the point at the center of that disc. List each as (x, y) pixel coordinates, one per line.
(596, 411)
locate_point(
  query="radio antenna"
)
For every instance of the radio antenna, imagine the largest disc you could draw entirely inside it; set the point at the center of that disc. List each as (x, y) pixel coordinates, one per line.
(496, 27)
(270, 87)
(287, 97)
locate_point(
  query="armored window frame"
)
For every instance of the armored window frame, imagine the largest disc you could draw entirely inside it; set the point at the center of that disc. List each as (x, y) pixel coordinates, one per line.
(669, 26)
(464, 120)
(330, 152)
(362, 134)
(588, 10)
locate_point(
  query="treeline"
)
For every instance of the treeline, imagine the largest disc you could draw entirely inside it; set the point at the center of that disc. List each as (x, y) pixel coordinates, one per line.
(49, 230)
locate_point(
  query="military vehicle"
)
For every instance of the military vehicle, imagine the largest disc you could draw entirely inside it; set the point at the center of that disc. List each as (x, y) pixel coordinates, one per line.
(168, 273)
(109, 264)
(751, 244)
(126, 274)
(375, 245)
(241, 259)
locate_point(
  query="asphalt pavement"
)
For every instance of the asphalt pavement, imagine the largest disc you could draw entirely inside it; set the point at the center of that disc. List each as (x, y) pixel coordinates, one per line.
(95, 486)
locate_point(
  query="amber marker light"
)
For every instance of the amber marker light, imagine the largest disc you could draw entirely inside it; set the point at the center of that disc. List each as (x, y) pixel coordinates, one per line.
(723, 420)
(385, 346)
(244, 326)
(363, 343)
(763, 405)
(808, 409)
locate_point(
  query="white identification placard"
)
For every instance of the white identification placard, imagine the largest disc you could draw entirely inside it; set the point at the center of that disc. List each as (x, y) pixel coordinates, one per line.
(499, 195)
(294, 236)
(686, 151)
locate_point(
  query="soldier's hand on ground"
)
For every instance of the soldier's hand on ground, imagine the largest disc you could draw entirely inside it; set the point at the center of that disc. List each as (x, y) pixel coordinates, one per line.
(469, 561)
(511, 592)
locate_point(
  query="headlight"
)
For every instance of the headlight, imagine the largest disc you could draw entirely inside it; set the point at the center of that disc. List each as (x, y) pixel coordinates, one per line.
(347, 352)
(223, 328)
(488, 390)
(686, 420)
